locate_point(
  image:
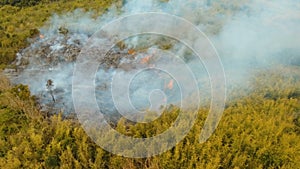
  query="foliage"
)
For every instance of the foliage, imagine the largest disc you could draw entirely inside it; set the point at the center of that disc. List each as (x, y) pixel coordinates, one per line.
(256, 131)
(259, 130)
(22, 21)
(20, 3)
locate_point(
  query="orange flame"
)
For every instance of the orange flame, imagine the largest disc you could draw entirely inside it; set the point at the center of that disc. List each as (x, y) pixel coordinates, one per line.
(145, 59)
(170, 84)
(131, 51)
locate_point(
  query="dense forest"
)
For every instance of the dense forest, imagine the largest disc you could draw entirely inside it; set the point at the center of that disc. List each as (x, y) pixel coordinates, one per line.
(260, 129)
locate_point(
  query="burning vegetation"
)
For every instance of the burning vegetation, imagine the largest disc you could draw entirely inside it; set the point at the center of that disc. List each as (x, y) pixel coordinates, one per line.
(256, 41)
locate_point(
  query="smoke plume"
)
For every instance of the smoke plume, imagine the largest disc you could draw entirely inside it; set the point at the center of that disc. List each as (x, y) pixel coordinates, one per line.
(249, 35)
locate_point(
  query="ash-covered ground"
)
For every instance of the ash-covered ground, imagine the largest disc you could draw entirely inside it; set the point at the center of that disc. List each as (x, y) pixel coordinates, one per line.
(47, 67)
(250, 36)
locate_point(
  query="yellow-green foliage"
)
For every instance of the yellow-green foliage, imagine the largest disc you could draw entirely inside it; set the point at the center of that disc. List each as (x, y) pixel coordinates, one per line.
(19, 23)
(259, 130)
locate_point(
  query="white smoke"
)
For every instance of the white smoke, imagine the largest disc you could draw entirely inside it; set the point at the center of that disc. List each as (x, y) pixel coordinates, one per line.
(248, 34)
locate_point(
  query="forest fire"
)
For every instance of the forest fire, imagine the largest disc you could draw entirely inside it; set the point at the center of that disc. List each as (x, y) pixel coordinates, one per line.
(149, 96)
(53, 53)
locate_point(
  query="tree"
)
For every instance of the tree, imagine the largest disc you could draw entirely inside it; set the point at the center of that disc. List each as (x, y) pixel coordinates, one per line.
(50, 87)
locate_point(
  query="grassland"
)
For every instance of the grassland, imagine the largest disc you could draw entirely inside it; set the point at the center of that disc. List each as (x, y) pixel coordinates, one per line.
(258, 130)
